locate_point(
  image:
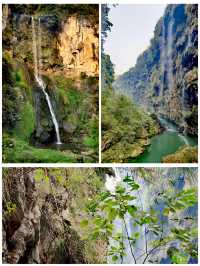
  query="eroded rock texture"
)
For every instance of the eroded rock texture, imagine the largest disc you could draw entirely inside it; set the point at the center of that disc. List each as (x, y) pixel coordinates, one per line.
(78, 46)
(164, 79)
(36, 228)
(66, 37)
(69, 42)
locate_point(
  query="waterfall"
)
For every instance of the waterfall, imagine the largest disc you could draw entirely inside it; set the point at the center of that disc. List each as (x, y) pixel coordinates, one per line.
(146, 196)
(37, 60)
(172, 128)
(184, 139)
(163, 58)
(170, 50)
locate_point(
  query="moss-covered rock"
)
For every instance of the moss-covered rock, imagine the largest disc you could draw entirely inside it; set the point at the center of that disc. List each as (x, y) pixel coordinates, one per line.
(74, 99)
(186, 154)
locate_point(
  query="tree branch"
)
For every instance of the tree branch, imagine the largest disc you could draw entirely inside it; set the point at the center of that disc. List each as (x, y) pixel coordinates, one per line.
(129, 241)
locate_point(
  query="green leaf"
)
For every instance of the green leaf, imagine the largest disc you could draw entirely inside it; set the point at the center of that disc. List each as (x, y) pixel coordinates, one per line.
(114, 258)
(120, 189)
(131, 210)
(135, 186)
(98, 221)
(104, 195)
(179, 258)
(112, 214)
(84, 223)
(136, 235)
(166, 211)
(128, 180)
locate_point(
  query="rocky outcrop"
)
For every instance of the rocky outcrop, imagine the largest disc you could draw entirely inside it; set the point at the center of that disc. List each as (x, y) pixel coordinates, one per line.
(37, 224)
(66, 58)
(164, 79)
(69, 42)
(21, 222)
(185, 154)
(78, 46)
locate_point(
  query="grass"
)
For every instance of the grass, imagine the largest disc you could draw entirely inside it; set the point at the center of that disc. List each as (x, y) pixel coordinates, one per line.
(18, 151)
(26, 125)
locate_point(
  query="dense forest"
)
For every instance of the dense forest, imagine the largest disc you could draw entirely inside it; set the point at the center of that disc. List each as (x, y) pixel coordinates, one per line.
(100, 215)
(149, 113)
(50, 83)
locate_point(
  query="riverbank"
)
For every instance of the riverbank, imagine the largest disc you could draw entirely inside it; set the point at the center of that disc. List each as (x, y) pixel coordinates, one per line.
(126, 128)
(131, 135)
(167, 143)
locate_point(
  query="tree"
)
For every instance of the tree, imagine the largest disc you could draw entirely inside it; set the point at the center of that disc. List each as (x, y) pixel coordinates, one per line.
(163, 225)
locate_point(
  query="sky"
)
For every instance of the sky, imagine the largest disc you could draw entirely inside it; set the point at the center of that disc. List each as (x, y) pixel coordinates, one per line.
(133, 27)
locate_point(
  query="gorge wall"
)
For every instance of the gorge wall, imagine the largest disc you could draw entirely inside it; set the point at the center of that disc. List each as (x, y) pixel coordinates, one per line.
(69, 41)
(165, 77)
(42, 213)
(67, 48)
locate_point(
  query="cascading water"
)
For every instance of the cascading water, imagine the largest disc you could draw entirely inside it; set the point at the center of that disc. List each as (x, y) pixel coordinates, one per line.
(126, 228)
(145, 198)
(37, 59)
(172, 128)
(163, 58)
(170, 79)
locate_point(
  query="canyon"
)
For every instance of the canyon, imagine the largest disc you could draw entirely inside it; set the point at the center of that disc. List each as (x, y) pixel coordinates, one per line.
(153, 107)
(165, 77)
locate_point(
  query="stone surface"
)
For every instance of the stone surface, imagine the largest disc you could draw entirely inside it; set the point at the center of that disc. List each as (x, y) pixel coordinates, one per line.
(164, 79)
(35, 228)
(78, 46)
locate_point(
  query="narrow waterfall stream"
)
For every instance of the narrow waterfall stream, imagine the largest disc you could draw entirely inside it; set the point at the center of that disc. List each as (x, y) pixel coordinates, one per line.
(144, 199)
(170, 78)
(37, 61)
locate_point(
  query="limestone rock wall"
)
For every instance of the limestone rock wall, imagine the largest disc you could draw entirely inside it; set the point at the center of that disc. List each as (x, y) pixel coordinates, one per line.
(78, 46)
(69, 43)
(35, 225)
(164, 79)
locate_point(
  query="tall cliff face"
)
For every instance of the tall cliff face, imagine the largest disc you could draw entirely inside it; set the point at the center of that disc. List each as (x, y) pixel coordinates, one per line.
(78, 46)
(39, 223)
(69, 43)
(66, 38)
(165, 77)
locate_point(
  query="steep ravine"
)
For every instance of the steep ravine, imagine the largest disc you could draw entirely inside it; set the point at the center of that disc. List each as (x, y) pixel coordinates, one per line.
(164, 79)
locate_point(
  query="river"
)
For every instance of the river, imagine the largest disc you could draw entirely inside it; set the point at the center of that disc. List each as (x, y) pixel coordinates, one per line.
(165, 143)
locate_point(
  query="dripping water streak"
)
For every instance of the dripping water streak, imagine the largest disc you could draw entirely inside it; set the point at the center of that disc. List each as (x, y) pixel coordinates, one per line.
(163, 58)
(169, 52)
(34, 48)
(39, 79)
(39, 45)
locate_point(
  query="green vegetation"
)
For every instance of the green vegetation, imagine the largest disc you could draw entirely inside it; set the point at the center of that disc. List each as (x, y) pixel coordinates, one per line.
(81, 184)
(159, 227)
(126, 129)
(27, 122)
(18, 151)
(53, 201)
(185, 154)
(77, 108)
(149, 216)
(10, 208)
(56, 10)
